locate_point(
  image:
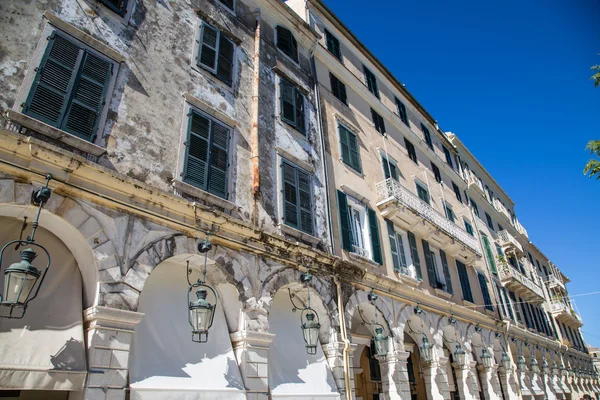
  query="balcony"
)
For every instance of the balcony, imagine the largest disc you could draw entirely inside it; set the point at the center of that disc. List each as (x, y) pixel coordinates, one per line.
(521, 229)
(566, 314)
(555, 282)
(474, 182)
(524, 287)
(410, 212)
(509, 243)
(501, 209)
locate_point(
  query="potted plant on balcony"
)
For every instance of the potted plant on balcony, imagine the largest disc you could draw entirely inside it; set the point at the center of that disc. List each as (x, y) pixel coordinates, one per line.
(502, 264)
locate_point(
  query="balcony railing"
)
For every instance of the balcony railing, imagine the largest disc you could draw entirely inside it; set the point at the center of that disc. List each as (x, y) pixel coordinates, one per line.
(565, 313)
(505, 239)
(520, 228)
(513, 279)
(554, 281)
(391, 189)
(501, 209)
(473, 181)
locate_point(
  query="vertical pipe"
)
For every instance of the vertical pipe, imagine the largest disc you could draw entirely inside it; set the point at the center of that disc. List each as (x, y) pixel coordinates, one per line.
(344, 334)
(255, 112)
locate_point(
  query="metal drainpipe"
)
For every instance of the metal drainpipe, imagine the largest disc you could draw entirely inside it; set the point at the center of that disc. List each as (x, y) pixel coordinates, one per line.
(344, 334)
(255, 112)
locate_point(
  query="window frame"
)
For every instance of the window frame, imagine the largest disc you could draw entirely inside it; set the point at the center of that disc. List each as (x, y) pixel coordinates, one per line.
(310, 175)
(411, 150)
(371, 83)
(295, 93)
(378, 121)
(448, 156)
(449, 211)
(328, 35)
(387, 160)
(427, 136)
(341, 88)
(468, 226)
(440, 277)
(232, 9)
(357, 168)
(402, 113)
(196, 65)
(294, 58)
(436, 173)
(356, 207)
(489, 221)
(456, 190)
(423, 187)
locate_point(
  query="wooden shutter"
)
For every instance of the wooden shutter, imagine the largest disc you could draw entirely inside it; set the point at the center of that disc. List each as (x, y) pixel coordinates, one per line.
(446, 272)
(485, 291)
(288, 102)
(393, 245)
(342, 90)
(196, 166)
(526, 314)
(208, 48)
(414, 253)
(290, 195)
(464, 281)
(429, 263)
(299, 101)
(508, 303)
(375, 240)
(225, 60)
(489, 254)
(305, 197)
(401, 251)
(287, 43)
(349, 145)
(344, 221)
(345, 147)
(219, 161)
(52, 85)
(89, 97)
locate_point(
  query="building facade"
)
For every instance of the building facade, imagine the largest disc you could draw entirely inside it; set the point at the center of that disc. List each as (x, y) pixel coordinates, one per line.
(243, 146)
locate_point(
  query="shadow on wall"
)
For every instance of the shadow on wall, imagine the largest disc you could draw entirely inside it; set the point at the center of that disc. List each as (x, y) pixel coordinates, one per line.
(68, 358)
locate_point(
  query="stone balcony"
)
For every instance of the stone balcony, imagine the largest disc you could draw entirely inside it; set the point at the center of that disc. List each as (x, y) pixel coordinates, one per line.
(566, 314)
(510, 243)
(524, 287)
(555, 282)
(521, 229)
(407, 210)
(474, 183)
(501, 209)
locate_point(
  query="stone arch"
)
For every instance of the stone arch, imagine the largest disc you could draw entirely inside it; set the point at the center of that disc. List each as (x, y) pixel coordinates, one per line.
(450, 334)
(406, 324)
(359, 297)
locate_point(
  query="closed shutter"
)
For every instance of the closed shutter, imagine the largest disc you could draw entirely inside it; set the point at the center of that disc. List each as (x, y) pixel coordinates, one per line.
(342, 91)
(508, 303)
(525, 314)
(386, 168)
(297, 210)
(487, 300)
(393, 245)
(299, 98)
(414, 253)
(354, 155)
(464, 281)
(219, 162)
(89, 98)
(375, 240)
(209, 47)
(489, 254)
(344, 145)
(429, 263)
(306, 211)
(290, 195)
(401, 251)
(225, 60)
(288, 102)
(344, 221)
(446, 272)
(287, 43)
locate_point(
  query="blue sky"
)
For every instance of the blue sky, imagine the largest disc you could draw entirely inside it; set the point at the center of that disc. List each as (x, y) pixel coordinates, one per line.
(511, 79)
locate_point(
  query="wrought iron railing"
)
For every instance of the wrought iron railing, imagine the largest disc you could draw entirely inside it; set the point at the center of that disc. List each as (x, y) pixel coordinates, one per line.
(501, 209)
(506, 239)
(554, 281)
(508, 272)
(520, 228)
(391, 189)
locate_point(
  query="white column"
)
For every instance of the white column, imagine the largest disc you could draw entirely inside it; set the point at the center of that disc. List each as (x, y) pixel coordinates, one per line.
(504, 376)
(462, 381)
(252, 353)
(389, 379)
(109, 333)
(548, 386)
(432, 388)
(334, 353)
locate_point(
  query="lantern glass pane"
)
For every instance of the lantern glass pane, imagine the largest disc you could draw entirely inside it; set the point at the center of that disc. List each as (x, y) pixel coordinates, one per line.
(17, 286)
(381, 347)
(200, 318)
(311, 334)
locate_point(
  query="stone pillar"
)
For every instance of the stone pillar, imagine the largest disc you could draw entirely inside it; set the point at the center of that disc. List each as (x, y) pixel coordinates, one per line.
(252, 353)
(548, 387)
(473, 380)
(504, 378)
(403, 384)
(334, 353)
(466, 383)
(487, 382)
(109, 333)
(432, 386)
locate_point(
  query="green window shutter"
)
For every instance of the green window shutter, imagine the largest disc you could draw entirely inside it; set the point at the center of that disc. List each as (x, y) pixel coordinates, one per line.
(487, 300)
(290, 195)
(401, 251)
(354, 154)
(344, 221)
(306, 209)
(429, 263)
(446, 272)
(342, 90)
(469, 228)
(299, 99)
(196, 168)
(423, 194)
(219, 161)
(55, 78)
(225, 60)
(386, 168)
(118, 6)
(209, 47)
(344, 145)
(393, 245)
(89, 97)
(287, 43)
(464, 281)
(489, 254)
(414, 253)
(508, 303)
(375, 239)
(288, 102)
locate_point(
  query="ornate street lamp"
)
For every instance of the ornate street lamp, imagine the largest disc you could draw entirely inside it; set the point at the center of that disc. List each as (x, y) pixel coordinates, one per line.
(505, 360)
(555, 369)
(201, 311)
(22, 277)
(521, 363)
(309, 318)
(426, 349)
(486, 358)
(534, 366)
(545, 367)
(379, 339)
(460, 356)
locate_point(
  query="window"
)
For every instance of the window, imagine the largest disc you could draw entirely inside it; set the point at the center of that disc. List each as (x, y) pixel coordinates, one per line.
(448, 157)
(500, 228)
(410, 148)
(469, 228)
(437, 268)
(423, 193)
(402, 111)
(118, 6)
(207, 158)
(487, 300)
(489, 254)
(427, 136)
(292, 105)
(374, 368)
(456, 192)
(390, 170)
(215, 53)
(489, 221)
(297, 198)
(371, 81)
(449, 212)
(286, 42)
(338, 89)
(360, 229)
(228, 3)
(349, 148)
(475, 208)
(464, 281)
(378, 122)
(436, 173)
(70, 88)
(333, 45)
(400, 255)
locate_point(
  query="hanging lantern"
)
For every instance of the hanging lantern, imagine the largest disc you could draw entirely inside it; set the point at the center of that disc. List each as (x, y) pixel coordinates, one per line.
(460, 356)
(201, 311)
(534, 366)
(521, 363)
(505, 360)
(486, 358)
(310, 331)
(426, 350)
(21, 278)
(381, 342)
(555, 369)
(545, 367)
